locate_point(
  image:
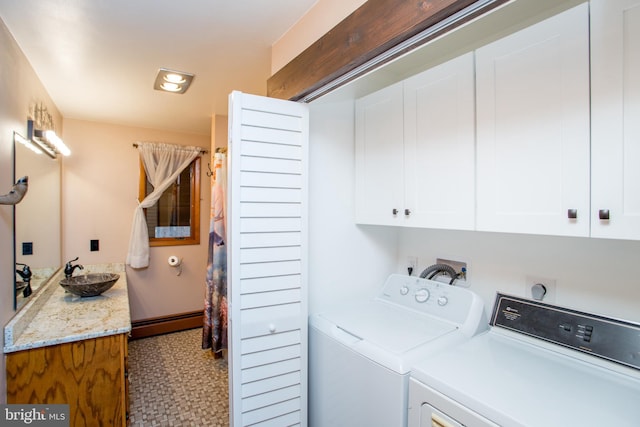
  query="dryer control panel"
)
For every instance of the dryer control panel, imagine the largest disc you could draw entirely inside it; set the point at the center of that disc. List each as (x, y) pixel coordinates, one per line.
(430, 297)
(611, 339)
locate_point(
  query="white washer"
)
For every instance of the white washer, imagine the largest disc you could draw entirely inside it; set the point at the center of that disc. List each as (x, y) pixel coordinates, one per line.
(539, 365)
(360, 355)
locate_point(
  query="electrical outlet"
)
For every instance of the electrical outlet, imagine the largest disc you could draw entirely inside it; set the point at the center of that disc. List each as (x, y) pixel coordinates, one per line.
(458, 266)
(412, 265)
(549, 284)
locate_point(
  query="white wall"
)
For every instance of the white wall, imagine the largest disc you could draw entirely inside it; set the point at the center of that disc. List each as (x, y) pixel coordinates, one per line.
(347, 261)
(100, 193)
(593, 275)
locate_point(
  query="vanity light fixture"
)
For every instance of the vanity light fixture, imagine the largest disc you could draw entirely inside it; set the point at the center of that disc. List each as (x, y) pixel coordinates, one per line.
(47, 141)
(59, 145)
(172, 81)
(30, 144)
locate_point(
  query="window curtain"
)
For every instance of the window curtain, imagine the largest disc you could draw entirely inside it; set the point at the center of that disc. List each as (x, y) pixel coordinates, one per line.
(163, 163)
(214, 331)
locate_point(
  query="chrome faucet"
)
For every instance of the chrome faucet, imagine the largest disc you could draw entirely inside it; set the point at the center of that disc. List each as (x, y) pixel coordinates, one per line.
(26, 274)
(68, 269)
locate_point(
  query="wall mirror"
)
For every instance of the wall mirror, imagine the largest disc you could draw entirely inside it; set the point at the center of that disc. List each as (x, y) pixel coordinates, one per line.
(37, 230)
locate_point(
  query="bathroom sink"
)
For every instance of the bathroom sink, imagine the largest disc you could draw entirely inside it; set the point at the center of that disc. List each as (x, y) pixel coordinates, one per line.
(89, 285)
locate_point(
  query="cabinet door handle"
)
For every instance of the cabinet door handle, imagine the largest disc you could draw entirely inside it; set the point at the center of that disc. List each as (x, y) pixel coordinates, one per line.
(407, 212)
(572, 213)
(603, 214)
(394, 211)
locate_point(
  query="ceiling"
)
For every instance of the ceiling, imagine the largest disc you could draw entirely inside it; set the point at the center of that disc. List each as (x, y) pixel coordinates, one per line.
(98, 59)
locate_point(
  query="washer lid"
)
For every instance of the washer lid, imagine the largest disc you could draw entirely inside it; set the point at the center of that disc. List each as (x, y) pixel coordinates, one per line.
(394, 329)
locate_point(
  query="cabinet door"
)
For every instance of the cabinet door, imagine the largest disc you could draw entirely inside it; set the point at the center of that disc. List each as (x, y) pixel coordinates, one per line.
(379, 157)
(88, 375)
(615, 138)
(267, 267)
(533, 128)
(439, 134)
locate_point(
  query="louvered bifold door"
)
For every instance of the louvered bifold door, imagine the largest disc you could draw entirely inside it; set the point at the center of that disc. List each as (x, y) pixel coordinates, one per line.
(267, 229)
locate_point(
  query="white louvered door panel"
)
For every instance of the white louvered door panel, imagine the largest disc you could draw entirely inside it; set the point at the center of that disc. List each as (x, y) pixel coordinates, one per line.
(267, 229)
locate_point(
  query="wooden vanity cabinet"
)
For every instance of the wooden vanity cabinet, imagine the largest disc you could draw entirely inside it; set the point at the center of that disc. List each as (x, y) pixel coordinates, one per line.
(89, 375)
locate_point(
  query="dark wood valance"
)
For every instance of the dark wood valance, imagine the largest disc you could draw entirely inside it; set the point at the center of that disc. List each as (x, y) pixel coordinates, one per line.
(374, 28)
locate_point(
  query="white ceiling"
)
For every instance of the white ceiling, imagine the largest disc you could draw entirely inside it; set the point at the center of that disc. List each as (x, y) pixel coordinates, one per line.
(98, 58)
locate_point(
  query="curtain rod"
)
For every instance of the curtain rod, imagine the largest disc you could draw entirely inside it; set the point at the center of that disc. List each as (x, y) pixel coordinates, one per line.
(202, 150)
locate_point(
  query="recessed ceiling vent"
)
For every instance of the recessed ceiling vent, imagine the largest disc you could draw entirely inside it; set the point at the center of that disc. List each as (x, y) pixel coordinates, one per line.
(172, 81)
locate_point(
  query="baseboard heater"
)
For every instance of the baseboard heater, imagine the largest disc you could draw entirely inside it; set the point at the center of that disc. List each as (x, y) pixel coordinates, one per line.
(166, 324)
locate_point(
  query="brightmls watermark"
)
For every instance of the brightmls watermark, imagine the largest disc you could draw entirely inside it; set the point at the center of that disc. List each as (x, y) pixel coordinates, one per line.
(34, 415)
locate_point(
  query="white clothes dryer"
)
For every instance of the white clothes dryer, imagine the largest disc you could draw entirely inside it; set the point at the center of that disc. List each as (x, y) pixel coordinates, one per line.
(360, 355)
(538, 365)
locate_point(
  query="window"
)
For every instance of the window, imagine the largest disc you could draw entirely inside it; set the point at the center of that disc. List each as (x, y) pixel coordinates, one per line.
(175, 218)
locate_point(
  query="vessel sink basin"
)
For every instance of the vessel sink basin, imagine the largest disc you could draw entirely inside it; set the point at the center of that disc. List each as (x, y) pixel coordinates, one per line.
(89, 285)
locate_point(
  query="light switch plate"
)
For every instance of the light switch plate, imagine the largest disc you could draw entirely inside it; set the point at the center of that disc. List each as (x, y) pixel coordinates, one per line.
(27, 248)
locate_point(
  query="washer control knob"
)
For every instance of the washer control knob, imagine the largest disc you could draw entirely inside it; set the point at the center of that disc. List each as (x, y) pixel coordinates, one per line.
(442, 301)
(422, 295)
(404, 290)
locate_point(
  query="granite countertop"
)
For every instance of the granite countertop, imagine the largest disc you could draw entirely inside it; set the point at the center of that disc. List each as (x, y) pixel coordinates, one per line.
(55, 316)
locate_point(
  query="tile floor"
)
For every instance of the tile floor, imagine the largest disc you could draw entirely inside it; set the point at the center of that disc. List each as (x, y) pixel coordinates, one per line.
(176, 383)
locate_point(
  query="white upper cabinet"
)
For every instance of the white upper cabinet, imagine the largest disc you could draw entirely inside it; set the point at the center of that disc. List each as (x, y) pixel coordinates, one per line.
(537, 132)
(379, 157)
(533, 128)
(415, 150)
(615, 138)
(439, 146)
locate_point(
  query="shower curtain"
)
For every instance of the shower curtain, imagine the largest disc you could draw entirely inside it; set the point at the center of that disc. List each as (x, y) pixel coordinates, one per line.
(214, 332)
